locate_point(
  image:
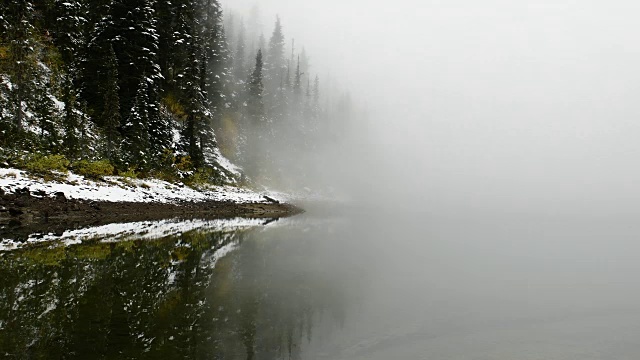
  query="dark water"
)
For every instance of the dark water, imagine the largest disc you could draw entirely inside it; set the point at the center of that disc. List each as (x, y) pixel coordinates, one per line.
(323, 286)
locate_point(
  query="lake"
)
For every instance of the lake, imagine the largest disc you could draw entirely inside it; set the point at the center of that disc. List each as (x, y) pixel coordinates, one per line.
(331, 284)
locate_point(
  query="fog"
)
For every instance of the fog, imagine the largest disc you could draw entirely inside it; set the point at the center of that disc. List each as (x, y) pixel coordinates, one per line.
(500, 104)
(495, 177)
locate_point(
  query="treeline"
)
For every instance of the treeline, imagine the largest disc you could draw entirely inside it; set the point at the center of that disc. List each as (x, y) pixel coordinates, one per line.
(148, 84)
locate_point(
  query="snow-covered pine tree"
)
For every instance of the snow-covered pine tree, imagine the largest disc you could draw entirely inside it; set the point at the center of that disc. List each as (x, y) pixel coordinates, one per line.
(43, 109)
(255, 114)
(68, 23)
(216, 63)
(128, 29)
(305, 66)
(71, 118)
(136, 129)
(67, 26)
(255, 104)
(275, 66)
(198, 116)
(96, 61)
(110, 117)
(165, 15)
(20, 62)
(316, 109)
(239, 70)
(297, 87)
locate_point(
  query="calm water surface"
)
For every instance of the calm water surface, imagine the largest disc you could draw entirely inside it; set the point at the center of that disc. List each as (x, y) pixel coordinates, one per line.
(329, 286)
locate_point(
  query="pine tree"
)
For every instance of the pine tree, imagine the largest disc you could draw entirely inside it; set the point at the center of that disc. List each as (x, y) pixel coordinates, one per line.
(71, 121)
(40, 103)
(296, 106)
(217, 60)
(275, 64)
(255, 105)
(256, 116)
(6, 114)
(316, 91)
(127, 34)
(67, 30)
(136, 129)
(197, 112)
(238, 60)
(136, 47)
(315, 102)
(290, 63)
(18, 19)
(297, 82)
(305, 67)
(262, 44)
(165, 13)
(110, 118)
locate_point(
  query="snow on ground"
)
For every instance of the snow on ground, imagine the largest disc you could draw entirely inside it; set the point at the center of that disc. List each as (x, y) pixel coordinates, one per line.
(147, 230)
(119, 189)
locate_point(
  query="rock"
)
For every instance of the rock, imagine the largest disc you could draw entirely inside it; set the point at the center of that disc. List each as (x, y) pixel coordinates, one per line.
(270, 199)
(39, 193)
(60, 196)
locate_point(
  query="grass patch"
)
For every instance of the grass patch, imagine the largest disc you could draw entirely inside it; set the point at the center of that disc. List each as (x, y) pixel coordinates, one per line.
(129, 174)
(47, 167)
(204, 176)
(47, 164)
(93, 169)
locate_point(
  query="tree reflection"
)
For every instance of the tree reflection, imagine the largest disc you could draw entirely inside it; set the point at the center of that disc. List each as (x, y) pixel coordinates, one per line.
(173, 298)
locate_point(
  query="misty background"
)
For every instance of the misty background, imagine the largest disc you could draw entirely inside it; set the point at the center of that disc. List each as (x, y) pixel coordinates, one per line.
(495, 105)
(494, 174)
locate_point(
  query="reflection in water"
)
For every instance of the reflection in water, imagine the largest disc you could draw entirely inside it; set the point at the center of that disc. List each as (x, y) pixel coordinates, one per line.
(366, 286)
(178, 297)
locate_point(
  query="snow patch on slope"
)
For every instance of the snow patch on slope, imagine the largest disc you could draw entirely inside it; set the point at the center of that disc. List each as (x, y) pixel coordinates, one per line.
(226, 163)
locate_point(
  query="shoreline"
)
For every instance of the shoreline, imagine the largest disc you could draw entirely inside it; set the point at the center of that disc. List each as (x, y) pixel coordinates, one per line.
(32, 204)
(22, 214)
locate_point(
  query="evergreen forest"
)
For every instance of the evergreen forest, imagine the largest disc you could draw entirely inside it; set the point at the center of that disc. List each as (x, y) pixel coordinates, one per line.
(169, 89)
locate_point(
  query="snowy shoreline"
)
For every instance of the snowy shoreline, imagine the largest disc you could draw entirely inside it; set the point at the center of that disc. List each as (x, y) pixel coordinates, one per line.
(120, 189)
